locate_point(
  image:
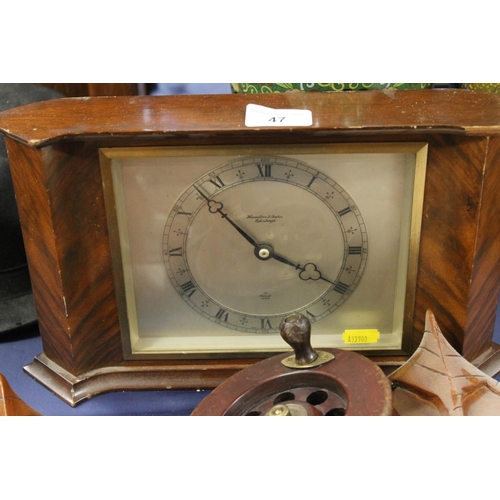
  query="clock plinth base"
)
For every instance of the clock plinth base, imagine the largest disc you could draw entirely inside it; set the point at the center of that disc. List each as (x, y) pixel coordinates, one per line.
(74, 389)
(489, 362)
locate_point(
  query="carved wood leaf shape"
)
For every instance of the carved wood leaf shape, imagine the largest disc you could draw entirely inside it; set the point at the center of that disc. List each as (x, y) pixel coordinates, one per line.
(437, 375)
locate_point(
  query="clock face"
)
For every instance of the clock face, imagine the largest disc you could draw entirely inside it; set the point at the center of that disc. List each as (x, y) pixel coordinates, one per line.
(213, 246)
(262, 237)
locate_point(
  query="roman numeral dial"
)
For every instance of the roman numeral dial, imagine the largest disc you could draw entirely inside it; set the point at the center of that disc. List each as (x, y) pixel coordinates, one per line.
(262, 237)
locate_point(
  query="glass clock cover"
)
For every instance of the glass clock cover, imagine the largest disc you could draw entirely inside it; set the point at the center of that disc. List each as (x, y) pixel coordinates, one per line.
(217, 245)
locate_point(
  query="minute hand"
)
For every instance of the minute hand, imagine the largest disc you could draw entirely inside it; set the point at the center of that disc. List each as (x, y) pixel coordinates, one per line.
(245, 235)
(308, 272)
(215, 207)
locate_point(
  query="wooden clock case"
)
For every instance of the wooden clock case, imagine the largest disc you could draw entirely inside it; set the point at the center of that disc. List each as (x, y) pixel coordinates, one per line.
(53, 150)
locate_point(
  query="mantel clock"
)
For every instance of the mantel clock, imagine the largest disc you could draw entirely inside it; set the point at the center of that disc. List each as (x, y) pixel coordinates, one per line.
(166, 239)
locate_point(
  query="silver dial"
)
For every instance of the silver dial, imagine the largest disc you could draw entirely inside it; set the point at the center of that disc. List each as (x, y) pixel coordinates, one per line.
(262, 237)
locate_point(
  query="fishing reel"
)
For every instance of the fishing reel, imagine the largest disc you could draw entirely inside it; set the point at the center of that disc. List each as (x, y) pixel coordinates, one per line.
(328, 382)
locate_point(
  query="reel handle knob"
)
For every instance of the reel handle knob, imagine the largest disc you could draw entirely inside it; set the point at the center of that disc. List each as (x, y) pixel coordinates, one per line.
(295, 330)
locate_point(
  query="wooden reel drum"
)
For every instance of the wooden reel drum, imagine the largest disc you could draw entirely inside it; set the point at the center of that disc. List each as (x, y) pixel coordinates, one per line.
(330, 382)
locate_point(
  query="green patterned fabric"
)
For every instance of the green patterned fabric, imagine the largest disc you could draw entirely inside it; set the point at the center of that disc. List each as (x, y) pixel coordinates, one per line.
(483, 87)
(269, 88)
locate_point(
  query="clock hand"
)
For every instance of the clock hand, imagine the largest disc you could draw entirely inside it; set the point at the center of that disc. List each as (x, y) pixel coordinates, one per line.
(245, 235)
(309, 272)
(215, 207)
(279, 258)
(264, 252)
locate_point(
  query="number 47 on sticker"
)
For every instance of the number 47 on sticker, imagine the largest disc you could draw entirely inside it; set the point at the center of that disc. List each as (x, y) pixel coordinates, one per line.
(261, 116)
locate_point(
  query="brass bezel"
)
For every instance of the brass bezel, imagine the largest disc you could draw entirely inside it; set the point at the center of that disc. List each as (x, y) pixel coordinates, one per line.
(109, 155)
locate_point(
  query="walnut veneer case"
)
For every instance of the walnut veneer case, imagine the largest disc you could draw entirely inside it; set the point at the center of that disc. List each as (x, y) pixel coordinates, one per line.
(165, 239)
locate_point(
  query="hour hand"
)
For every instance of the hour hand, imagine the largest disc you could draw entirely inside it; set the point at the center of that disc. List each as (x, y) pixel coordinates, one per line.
(279, 258)
(311, 272)
(263, 251)
(308, 272)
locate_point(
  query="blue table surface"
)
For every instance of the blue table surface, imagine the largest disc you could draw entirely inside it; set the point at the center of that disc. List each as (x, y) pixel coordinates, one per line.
(19, 350)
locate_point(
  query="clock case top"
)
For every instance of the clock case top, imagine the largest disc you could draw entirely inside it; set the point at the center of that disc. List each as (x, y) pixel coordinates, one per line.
(53, 150)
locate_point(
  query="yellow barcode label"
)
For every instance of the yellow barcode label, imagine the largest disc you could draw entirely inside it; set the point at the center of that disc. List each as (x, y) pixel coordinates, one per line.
(361, 336)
